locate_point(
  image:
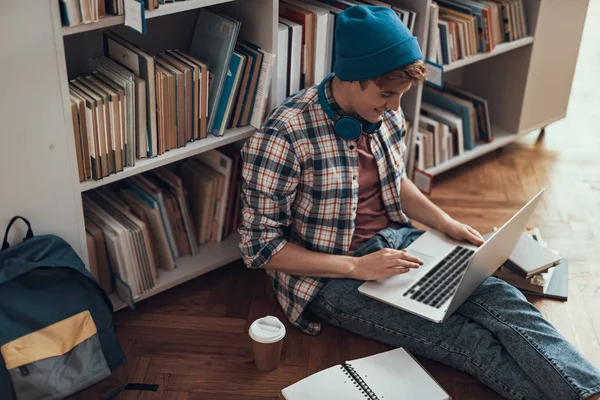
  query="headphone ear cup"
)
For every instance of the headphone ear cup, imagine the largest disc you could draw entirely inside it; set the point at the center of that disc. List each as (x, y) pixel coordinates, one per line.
(348, 128)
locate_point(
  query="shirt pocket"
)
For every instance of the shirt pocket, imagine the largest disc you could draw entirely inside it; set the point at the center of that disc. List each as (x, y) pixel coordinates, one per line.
(56, 361)
(329, 183)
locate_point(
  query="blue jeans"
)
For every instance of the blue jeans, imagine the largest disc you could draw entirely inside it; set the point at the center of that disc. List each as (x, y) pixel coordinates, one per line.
(496, 335)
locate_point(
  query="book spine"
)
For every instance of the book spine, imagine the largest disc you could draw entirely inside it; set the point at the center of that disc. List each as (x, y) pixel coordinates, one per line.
(360, 383)
(262, 91)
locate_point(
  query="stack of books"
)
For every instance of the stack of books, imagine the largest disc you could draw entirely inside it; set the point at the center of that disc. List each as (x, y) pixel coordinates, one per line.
(534, 268)
(452, 120)
(134, 105)
(144, 224)
(463, 28)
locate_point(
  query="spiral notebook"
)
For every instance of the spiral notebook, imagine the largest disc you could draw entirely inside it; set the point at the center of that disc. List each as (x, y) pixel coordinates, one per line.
(393, 374)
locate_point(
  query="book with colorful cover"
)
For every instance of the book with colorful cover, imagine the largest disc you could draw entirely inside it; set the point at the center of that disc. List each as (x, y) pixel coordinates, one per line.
(230, 89)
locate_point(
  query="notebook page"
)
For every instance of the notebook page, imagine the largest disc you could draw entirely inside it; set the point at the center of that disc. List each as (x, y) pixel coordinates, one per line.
(395, 374)
(330, 384)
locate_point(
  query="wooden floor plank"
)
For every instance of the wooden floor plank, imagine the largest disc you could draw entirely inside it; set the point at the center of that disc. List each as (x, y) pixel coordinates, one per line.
(186, 349)
(137, 373)
(582, 317)
(156, 379)
(193, 322)
(172, 395)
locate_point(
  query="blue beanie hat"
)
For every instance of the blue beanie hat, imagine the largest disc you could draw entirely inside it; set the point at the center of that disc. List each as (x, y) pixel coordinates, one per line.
(371, 41)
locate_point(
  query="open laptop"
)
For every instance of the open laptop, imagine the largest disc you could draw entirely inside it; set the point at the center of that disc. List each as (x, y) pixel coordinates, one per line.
(451, 269)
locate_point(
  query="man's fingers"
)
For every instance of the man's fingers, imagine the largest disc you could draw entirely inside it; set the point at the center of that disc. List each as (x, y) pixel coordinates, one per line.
(409, 257)
(405, 264)
(398, 270)
(474, 231)
(474, 236)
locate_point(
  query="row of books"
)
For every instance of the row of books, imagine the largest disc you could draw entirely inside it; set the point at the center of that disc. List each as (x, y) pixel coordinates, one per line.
(534, 268)
(305, 40)
(464, 28)
(77, 12)
(144, 224)
(109, 112)
(451, 121)
(134, 105)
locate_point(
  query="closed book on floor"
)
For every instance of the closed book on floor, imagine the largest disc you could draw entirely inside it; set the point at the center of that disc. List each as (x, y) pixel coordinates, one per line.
(558, 287)
(530, 257)
(393, 374)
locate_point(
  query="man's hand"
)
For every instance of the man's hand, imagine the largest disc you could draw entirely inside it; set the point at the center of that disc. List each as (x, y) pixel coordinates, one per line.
(383, 263)
(460, 231)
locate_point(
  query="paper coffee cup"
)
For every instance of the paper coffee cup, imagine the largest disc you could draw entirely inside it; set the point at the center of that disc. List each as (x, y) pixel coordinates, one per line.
(267, 335)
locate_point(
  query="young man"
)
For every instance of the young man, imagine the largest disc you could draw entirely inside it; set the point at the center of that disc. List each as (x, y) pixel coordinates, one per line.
(326, 206)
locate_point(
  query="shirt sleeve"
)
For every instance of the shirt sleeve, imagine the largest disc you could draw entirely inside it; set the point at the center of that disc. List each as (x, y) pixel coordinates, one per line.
(270, 176)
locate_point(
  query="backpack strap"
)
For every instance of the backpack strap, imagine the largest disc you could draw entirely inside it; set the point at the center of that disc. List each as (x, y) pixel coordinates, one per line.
(131, 386)
(29, 234)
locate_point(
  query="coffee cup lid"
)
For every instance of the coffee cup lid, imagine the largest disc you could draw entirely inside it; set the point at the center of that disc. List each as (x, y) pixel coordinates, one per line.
(268, 329)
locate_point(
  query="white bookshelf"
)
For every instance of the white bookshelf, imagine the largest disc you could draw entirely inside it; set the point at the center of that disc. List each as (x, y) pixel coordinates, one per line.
(510, 78)
(168, 27)
(525, 87)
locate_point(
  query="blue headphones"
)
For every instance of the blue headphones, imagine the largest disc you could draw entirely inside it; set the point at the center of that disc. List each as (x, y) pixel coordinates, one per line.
(346, 127)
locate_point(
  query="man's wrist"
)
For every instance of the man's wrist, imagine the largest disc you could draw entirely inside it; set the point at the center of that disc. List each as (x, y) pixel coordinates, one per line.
(445, 221)
(351, 267)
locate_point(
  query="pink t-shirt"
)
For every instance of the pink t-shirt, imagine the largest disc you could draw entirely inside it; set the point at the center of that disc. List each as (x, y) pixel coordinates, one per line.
(371, 215)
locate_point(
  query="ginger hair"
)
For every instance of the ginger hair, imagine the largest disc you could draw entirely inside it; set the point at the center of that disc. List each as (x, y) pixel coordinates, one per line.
(415, 72)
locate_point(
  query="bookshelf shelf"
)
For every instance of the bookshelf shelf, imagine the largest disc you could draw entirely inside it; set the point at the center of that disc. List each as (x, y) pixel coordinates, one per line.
(499, 49)
(164, 9)
(209, 257)
(191, 149)
(501, 138)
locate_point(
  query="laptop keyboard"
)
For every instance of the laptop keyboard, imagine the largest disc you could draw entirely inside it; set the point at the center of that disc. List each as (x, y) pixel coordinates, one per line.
(440, 283)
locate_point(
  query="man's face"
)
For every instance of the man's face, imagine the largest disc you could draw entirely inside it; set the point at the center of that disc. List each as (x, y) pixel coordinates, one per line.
(372, 101)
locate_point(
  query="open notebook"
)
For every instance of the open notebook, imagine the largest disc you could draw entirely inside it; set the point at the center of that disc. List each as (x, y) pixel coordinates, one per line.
(394, 374)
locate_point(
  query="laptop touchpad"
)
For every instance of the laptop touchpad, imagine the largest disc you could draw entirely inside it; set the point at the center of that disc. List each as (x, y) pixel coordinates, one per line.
(427, 260)
(424, 257)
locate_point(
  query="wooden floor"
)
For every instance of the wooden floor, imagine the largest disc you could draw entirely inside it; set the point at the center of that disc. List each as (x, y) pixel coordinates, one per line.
(192, 340)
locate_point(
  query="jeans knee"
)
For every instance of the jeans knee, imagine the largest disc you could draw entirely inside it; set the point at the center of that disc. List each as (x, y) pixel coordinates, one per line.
(495, 289)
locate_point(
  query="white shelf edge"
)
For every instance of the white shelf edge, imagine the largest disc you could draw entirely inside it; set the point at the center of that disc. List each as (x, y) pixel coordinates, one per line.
(499, 49)
(501, 139)
(165, 9)
(190, 149)
(210, 256)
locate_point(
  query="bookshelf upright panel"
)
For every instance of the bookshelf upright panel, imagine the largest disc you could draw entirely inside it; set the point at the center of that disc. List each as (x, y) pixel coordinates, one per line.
(37, 174)
(554, 55)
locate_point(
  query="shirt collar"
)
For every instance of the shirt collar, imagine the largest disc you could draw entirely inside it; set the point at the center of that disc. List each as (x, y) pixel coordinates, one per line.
(331, 100)
(334, 105)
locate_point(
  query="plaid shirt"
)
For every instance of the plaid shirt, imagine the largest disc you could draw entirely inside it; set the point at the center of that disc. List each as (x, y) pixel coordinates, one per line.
(300, 185)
